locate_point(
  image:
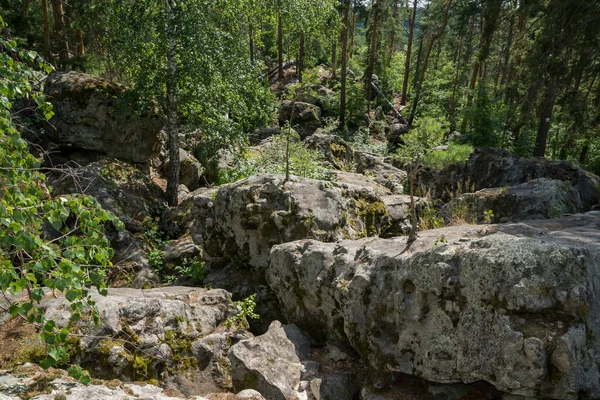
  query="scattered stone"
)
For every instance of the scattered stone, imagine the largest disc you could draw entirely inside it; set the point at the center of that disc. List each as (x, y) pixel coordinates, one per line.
(300, 340)
(190, 170)
(267, 364)
(339, 386)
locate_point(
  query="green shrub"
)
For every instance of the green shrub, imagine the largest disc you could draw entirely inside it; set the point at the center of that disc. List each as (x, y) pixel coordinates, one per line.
(271, 160)
(455, 153)
(192, 268)
(245, 310)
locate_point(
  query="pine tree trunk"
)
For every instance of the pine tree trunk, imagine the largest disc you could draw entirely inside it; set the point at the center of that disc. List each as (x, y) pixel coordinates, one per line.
(372, 50)
(334, 59)
(545, 117)
(351, 29)
(411, 24)
(300, 64)
(392, 43)
(171, 127)
(344, 67)
(47, 49)
(509, 41)
(61, 31)
(81, 43)
(418, 63)
(435, 37)
(280, 46)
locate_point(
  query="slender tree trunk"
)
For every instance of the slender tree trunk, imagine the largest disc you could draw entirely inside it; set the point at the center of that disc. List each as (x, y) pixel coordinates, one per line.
(584, 153)
(418, 63)
(334, 59)
(171, 127)
(545, 117)
(81, 43)
(300, 63)
(61, 31)
(47, 49)
(372, 50)
(288, 140)
(411, 25)
(489, 24)
(344, 66)
(351, 30)
(455, 86)
(280, 45)
(509, 41)
(392, 44)
(435, 37)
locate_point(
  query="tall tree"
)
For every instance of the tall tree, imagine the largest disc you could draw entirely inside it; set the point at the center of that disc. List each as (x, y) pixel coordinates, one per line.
(374, 32)
(411, 33)
(60, 25)
(346, 5)
(171, 106)
(436, 36)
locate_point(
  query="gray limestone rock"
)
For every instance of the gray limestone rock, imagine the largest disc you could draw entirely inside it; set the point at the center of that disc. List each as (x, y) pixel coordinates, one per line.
(267, 364)
(515, 305)
(96, 114)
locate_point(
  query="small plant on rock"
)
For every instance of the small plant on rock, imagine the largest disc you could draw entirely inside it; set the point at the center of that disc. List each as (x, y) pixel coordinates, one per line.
(245, 310)
(488, 216)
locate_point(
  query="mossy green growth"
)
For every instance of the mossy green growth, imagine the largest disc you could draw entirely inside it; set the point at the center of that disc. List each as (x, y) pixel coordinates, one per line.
(181, 346)
(373, 215)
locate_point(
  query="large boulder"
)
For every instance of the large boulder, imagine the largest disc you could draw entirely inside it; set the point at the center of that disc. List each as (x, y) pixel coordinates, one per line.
(243, 220)
(118, 186)
(383, 173)
(516, 305)
(304, 113)
(537, 199)
(96, 114)
(335, 150)
(190, 170)
(147, 334)
(339, 153)
(493, 168)
(268, 364)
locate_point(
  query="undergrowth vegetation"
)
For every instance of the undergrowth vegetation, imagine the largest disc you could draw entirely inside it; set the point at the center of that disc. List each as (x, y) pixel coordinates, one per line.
(270, 159)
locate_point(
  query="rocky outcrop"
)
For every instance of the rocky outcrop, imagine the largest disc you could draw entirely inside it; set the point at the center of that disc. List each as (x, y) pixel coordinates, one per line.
(537, 199)
(394, 135)
(493, 168)
(149, 334)
(96, 114)
(258, 135)
(383, 173)
(339, 153)
(304, 113)
(243, 220)
(133, 197)
(118, 186)
(31, 382)
(515, 305)
(335, 150)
